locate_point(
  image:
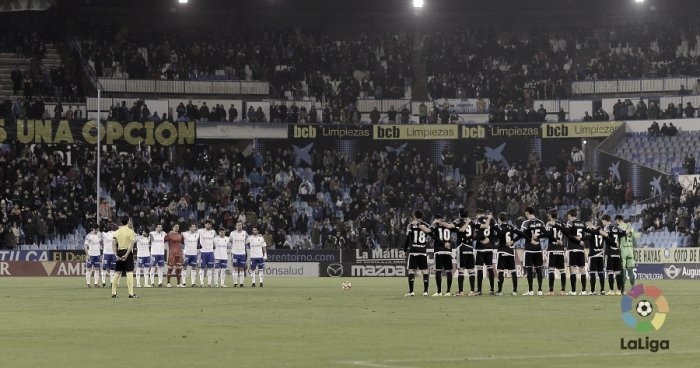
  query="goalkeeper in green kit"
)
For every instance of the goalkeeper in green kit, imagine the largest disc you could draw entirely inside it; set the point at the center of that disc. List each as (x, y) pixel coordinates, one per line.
(627, 245)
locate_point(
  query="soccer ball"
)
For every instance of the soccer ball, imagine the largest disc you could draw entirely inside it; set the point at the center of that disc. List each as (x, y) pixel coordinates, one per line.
(644, 308)
(346, 285)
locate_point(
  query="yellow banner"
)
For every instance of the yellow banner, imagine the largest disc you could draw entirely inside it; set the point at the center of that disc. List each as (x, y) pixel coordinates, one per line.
(579, 130)
(416, 132)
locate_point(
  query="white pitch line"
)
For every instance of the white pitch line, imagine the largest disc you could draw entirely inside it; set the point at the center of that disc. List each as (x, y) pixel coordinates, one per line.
(515, 357)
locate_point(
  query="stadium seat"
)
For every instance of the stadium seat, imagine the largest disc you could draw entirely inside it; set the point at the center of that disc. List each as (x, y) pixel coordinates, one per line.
(43, 247)
(24, 247)
(33, 247)
(62, 247)
(52, 247)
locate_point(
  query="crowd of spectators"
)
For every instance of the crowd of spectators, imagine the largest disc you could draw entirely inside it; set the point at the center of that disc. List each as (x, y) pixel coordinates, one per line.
(375, 64)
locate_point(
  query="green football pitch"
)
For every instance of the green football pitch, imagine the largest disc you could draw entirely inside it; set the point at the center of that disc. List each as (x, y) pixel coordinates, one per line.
(58, 322)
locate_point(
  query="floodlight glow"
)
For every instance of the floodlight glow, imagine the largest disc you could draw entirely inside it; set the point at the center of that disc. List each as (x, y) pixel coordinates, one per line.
(183, 1)
(417, 3)
(639, 1)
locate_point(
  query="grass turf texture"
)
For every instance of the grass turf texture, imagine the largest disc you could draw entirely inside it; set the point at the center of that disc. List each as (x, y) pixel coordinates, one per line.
(58, 322)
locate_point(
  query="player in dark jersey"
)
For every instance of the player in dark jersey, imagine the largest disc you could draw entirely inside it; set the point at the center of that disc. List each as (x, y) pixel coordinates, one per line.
(576, 251)
(507, 236)
(465, 249)
(484, 248)
(533, 229)
(595, 259)
(415, 253)
(613, 264)
(442, 236)
(555, 250)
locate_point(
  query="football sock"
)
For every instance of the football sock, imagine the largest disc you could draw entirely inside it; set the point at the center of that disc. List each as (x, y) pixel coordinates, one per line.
(438, 281)
(209, 273)
(631, 275)
(449, 281)
(618, 277)
(500, 281)
(160, 274)
(261, 277)
(114, 284)
(611, 281)
(479, 278)
(514, 276)
(426, 282)
(217, 272)
(138, 276)
(201, 276)
(252, 276)
(529, 279)
(241, 277)
(460, 282)
(193, 275)
(87, 277)
(572, 278)
(471, 281)
(411, 279)
(593, 278)
(234, 274)
(130, 282)
(223, 275)
(97, 276)
(601, 278)
(583, 282)
(551, 282)
(491, 277)
(168, 276)
(178, 274)
(562, 280)
(104, 275)
(111, 276)
(539, 279)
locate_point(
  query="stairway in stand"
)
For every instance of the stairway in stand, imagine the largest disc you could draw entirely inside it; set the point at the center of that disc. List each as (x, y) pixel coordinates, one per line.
(420, 75)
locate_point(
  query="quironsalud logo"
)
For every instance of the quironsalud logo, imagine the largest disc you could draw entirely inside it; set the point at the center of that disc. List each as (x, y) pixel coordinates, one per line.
(644, 308)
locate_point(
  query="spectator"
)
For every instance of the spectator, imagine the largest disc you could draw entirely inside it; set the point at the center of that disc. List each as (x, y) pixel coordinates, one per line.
(689, 110)
(587, 117)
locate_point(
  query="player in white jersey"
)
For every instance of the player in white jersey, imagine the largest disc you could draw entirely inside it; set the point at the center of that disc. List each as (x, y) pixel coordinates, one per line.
(221, 244)
(143, 257)
(92, 251)
(191, 243)
(258, 255)
(157, 254)
(109, 259)
(206, 255)
(238, 239)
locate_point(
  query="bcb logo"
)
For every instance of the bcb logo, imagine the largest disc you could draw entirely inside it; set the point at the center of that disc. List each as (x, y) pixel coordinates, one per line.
(391, 132)
(473, 132)
(304, 132)
(557, 131)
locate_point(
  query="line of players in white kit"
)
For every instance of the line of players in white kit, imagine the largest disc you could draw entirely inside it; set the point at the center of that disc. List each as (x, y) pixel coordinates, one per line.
(183, 252)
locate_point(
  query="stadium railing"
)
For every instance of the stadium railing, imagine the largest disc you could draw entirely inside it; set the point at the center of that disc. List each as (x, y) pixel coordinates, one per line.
(644, 85)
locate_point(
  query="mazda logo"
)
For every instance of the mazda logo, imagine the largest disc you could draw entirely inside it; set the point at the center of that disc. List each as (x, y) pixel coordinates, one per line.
(672, 272)
(335, 270)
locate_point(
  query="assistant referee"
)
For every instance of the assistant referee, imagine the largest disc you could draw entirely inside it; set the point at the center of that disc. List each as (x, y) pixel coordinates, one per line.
(123, 246)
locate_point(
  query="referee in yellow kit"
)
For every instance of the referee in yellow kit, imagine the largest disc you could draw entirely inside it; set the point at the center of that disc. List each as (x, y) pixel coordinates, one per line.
(123, 245)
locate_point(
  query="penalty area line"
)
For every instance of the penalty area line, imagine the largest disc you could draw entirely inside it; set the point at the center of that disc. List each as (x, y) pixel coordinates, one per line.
(383, 363)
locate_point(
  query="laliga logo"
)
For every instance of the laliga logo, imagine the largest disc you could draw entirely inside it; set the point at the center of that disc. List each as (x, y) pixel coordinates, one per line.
(649, 305)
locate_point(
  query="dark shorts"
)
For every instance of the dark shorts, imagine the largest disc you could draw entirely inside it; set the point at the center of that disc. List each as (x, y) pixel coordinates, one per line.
(443, 262)
(506, 262)
(613, 264)
(126, 265)
(556, 261)
(484, 257)
(466, 258)
(533, 259)
(596, 264)
(417, 262)
(577, 259)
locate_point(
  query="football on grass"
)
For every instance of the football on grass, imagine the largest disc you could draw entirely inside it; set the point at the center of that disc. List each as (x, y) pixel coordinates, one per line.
(347, 285)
